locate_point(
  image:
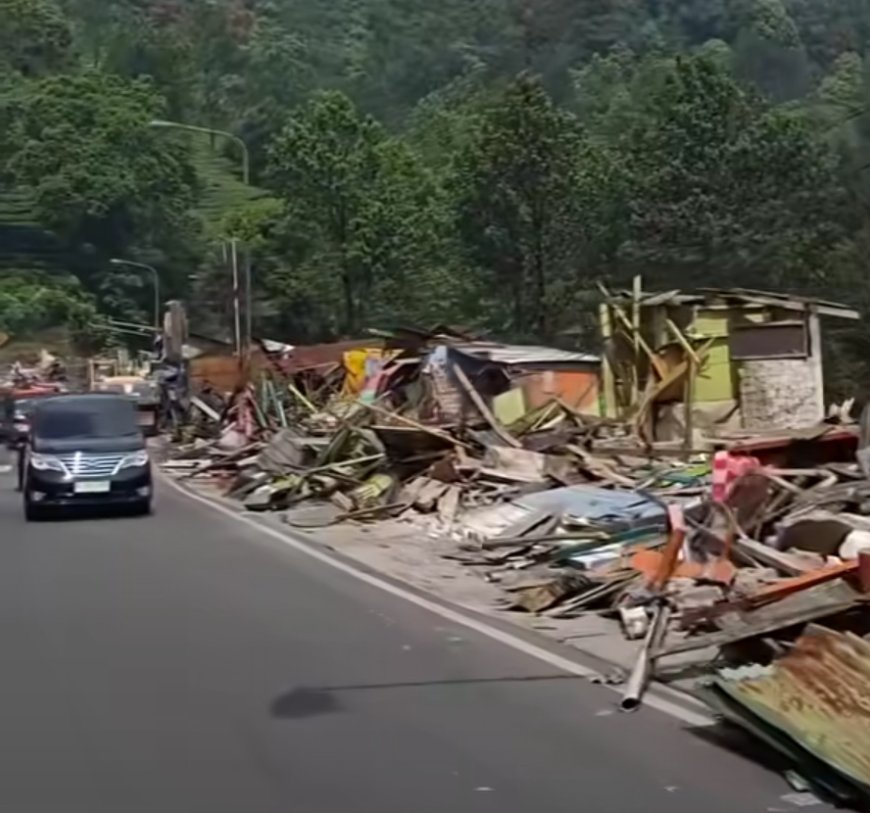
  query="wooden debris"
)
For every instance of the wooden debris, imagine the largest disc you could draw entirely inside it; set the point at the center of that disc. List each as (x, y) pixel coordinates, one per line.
(448, 504)
(484, 410)
(535, 598)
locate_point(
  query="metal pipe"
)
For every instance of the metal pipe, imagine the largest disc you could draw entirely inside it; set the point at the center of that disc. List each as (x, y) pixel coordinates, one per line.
(643, 666)
(249, 312)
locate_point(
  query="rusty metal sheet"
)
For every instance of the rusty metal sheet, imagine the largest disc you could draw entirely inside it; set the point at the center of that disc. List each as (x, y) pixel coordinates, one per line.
(307, 357)
(818, 695)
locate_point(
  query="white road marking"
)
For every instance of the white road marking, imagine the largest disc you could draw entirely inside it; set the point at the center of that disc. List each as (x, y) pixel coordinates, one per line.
(651, 700)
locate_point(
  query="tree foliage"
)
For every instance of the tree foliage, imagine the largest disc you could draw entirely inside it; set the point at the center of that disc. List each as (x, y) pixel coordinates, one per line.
(35, 37)
(31, 302)
(725, 188)
(484, 162)
(358, 206)
(100, 175)
(517, 205)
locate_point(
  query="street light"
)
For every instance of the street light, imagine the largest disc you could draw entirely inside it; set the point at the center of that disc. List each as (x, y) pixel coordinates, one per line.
(246, 158)
(246, 178)
(153, 270)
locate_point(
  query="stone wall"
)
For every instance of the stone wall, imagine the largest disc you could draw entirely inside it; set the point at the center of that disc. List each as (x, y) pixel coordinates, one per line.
(780, 394)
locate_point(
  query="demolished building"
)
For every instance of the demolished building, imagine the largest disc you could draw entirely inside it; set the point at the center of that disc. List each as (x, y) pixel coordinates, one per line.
(714, 360)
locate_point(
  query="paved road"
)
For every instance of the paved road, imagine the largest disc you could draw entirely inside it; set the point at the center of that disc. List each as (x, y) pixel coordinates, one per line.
(188, 663)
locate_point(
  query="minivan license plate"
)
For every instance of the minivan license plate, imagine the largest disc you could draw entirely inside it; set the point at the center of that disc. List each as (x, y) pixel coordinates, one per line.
(92, 487)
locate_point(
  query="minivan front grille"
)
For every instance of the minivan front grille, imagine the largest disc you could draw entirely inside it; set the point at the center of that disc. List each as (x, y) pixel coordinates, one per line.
(86, 464)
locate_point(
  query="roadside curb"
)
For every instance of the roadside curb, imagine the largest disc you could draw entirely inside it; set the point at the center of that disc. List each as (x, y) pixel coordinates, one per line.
(572, 659)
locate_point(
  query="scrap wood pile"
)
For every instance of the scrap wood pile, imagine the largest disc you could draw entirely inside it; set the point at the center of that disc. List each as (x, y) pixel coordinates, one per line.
(277, 447)
(773, 549)
(397, 441)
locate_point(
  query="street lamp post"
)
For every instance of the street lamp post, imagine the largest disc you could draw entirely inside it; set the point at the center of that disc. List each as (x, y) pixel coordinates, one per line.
(246, 178)
(156, 276)
(246, 157)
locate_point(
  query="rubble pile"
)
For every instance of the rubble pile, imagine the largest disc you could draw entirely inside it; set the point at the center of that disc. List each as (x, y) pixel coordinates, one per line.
(732, 546)
(277, 445)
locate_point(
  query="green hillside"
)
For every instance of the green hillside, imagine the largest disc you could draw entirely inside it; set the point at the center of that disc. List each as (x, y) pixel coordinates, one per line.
(24, 244)
(221, 187)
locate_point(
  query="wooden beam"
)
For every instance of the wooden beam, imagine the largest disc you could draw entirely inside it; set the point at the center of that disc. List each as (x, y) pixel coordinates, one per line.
(484, 410)
(684, 342)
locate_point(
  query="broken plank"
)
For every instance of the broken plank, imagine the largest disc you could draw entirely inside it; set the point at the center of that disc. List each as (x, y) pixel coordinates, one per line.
(533, 520)
(206, 410)
(416, 425)
(535, 598)
(762, 626)
(448, 504)
(428, 496)
(786, 563)
(484, 410)
(599, 468)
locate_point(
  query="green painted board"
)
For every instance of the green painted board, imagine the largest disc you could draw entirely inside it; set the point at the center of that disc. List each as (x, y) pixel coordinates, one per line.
(510, 406)
(711, 323)
(715, 380)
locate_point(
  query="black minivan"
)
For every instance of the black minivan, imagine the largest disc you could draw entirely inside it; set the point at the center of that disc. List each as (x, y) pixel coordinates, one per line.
(85, 451)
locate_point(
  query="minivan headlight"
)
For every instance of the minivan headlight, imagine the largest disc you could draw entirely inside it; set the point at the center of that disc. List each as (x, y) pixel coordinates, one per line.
(45, 462)
(134, 461)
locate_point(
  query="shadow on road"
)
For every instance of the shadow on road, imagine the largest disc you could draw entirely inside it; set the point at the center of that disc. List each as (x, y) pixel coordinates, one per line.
(300, 703)
(312, 701)
(87, 513)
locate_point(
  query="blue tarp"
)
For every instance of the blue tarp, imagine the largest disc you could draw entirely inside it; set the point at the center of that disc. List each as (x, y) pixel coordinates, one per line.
(597, 505)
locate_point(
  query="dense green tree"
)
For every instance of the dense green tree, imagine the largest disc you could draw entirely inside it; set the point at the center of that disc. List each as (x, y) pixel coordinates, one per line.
(100, 176)
(828, 30)
(726, 189)
(693, 22)
(611, 92)
(30, 302)
(768, 49)
(358, 204)
(516, 205)
(35, 37)
(413, 176)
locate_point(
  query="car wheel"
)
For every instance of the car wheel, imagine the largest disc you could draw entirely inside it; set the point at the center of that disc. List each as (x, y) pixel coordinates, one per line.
(32, 513)
(143, 509)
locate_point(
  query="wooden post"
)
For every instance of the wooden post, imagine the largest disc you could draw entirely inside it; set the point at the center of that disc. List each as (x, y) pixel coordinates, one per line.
(609, 407)
(636, 293)
(688, 403)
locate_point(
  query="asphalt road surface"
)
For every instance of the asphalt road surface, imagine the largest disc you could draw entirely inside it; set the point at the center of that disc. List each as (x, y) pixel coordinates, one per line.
(187, 662)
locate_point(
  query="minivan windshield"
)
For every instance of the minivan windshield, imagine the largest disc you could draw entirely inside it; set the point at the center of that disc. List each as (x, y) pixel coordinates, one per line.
(24, 406)
(86, 417)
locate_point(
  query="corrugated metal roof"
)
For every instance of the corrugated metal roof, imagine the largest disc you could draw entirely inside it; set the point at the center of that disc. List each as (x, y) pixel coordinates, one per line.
(745, 296)
(818, 695)
(754, 293)
(519, 354)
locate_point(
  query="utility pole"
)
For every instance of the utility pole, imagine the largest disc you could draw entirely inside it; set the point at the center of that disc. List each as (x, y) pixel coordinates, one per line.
(237, 322)
(249, 305)
(246, 179)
